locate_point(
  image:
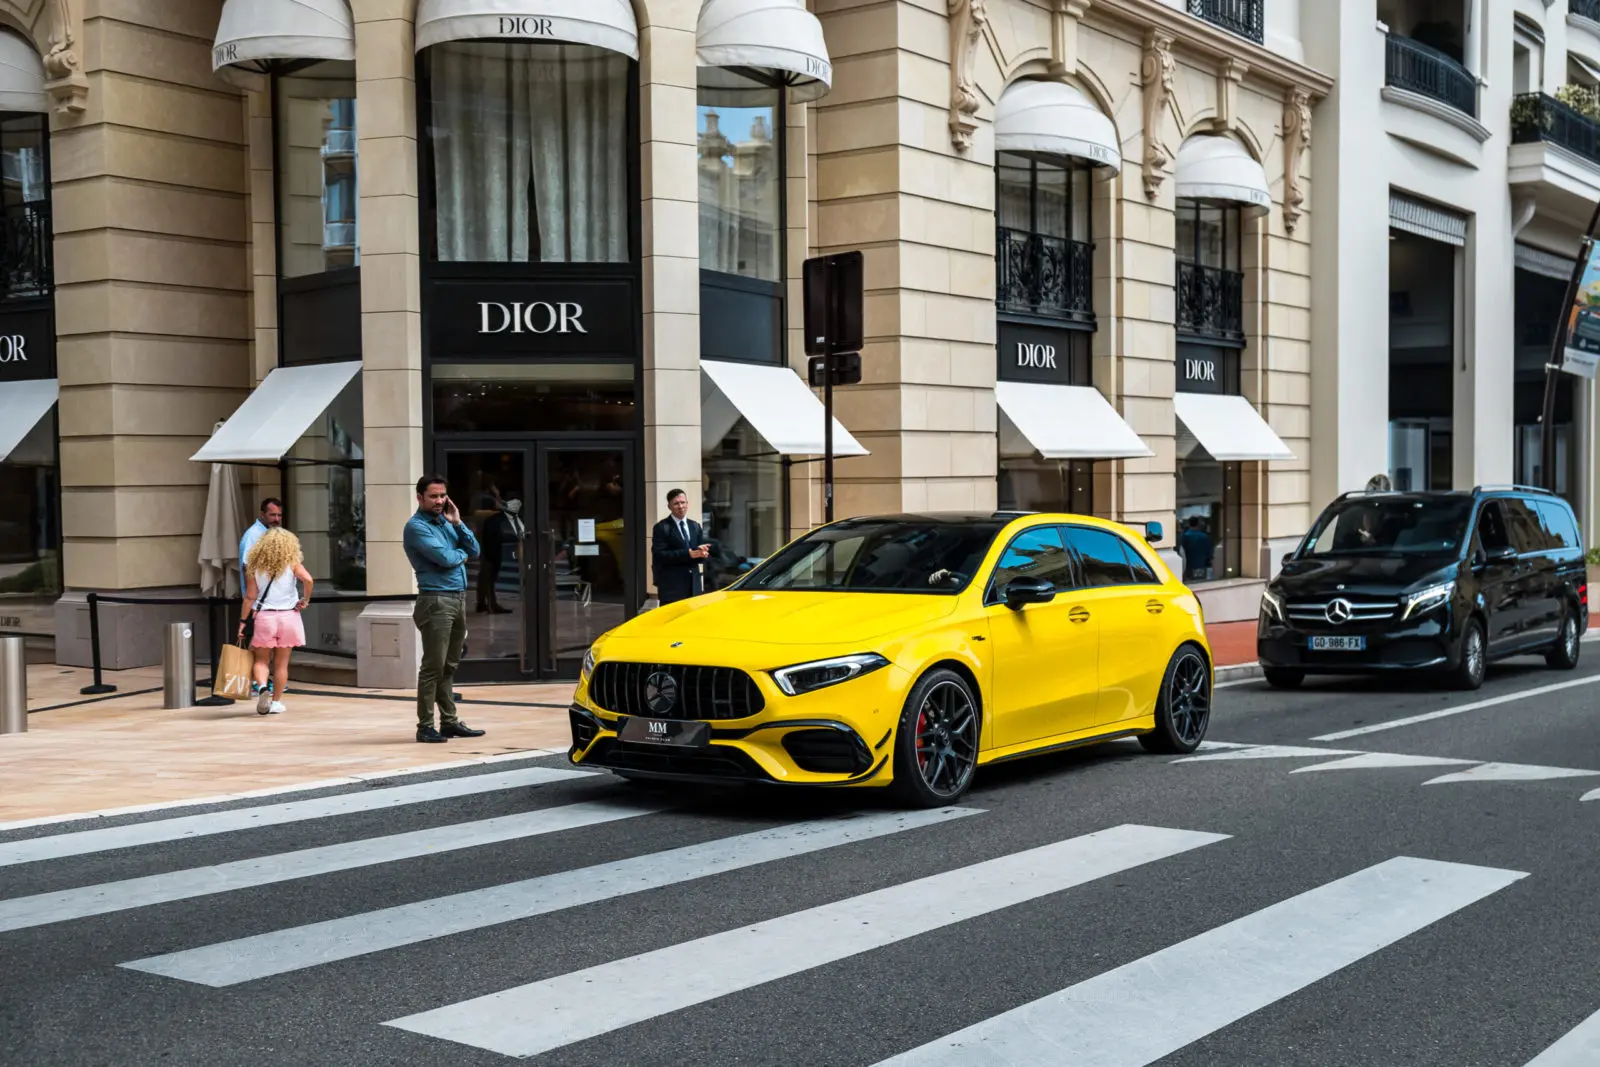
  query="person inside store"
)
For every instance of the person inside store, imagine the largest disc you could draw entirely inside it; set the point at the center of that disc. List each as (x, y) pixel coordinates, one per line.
(1197, 551)
(271, 616)
(678, 550)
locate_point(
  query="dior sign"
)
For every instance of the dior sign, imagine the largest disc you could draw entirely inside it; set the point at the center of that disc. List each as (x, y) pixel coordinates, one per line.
(224, 54)
(1029, 352)
(536, 317)
(27, 344)
(1038, 356)
(524, 26)
(1207, 368)
(13, 348)
(1200, 370)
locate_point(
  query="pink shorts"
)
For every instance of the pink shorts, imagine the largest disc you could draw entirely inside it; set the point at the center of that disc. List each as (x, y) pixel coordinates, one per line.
(278, 629)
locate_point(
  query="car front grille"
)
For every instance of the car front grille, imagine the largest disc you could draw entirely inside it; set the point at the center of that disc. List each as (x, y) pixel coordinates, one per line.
(700, 692)
(1361, 610)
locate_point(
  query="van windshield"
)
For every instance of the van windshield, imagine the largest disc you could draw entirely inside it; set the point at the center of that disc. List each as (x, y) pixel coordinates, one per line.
(1380, 526)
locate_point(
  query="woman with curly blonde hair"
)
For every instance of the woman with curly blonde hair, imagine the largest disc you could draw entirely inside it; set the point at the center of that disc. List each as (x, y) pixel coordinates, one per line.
(273, 565)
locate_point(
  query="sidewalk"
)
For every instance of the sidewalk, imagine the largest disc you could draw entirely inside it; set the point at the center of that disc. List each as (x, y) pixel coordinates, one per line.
(105, 755)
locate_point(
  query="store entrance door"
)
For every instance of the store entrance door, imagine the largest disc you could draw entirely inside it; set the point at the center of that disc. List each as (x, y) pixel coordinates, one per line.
(556, 569)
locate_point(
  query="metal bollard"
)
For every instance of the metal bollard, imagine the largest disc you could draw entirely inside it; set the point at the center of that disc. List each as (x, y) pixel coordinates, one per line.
(177, 667)
(13, 685)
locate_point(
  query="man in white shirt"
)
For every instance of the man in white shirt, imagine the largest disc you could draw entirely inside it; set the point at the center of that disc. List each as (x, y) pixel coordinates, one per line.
(271, 517)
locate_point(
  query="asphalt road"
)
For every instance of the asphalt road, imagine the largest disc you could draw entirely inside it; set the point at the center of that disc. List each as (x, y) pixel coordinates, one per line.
(1421, 893)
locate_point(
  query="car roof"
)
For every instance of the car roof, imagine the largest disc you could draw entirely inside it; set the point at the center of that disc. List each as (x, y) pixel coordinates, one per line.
(969, 518)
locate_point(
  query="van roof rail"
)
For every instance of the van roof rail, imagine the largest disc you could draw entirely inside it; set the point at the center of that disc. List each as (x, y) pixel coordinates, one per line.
(1512, 489)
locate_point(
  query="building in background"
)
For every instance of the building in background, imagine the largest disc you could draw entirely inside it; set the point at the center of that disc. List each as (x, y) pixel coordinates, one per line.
(558, 259)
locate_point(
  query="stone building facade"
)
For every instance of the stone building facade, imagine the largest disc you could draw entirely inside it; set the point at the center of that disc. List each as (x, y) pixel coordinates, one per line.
(553, 250)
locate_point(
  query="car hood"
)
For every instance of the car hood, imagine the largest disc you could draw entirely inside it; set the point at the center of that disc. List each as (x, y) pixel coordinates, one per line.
(788, 618)
(1378, 575)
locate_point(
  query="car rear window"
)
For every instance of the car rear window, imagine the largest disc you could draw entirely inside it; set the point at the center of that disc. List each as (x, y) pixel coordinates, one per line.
(1561, 527)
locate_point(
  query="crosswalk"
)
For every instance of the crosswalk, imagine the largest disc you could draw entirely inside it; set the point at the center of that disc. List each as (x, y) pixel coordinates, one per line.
(1131, 1014)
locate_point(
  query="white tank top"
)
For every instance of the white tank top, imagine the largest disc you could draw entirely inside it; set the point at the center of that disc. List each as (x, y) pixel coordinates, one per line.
(283, 595)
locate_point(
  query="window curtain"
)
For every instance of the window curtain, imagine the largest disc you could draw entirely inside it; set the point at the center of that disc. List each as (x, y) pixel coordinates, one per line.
(530, 152)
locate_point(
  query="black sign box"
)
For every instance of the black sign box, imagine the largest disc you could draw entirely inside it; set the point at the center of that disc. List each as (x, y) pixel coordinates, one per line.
(1044, 354)
(501, 318)
(27, 342)
(1208, 369)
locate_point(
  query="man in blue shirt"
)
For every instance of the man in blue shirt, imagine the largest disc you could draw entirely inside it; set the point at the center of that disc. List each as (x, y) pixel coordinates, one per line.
(438, 544)
(271, 518)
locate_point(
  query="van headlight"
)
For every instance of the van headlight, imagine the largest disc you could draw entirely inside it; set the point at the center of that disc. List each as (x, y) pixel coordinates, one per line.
(819, 674)
(1272, 605)
(1425, 600)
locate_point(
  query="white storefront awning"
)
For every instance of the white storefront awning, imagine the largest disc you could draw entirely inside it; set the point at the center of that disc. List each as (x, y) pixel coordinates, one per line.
(1229, 428)
(252, 33)
(22, 405)
(607, 24)
(776, 39)
(1063, 422)
(21, 75)
(1218, 168)
(274, 417)
(775, 400)
(1054, 119)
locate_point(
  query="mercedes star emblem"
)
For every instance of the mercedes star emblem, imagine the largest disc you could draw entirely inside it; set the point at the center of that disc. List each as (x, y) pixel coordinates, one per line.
(661, 692)
(1338, 612)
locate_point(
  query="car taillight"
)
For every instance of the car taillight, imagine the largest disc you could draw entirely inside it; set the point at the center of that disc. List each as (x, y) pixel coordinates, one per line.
(1583, 594)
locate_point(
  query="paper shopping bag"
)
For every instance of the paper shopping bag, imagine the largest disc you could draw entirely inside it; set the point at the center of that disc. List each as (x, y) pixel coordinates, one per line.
(233, 673)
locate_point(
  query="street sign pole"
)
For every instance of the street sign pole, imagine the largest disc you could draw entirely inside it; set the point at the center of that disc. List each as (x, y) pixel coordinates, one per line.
(827, 446)
(833, 324)
(1553, 369)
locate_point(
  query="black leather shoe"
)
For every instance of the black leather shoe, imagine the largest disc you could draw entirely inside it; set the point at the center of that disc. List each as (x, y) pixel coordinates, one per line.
(459, 729)
(429, 735)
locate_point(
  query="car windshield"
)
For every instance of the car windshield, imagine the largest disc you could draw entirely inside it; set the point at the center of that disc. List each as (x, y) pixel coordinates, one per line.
(880, 556)
(1380, 526)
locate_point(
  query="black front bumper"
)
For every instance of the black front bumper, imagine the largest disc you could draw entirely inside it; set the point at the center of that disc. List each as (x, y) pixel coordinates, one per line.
(1424, 644)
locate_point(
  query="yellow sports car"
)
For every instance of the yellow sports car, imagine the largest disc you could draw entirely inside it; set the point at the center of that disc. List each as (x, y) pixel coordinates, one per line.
(904, 651)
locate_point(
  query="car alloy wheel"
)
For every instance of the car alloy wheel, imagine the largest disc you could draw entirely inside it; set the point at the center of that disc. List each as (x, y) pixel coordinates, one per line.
(1469, 675)
(946, 738)
(1564, 656)
(1189, 698)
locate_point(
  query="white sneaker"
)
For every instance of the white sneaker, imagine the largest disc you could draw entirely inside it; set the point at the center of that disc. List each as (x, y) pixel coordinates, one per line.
(276, 709)
(264, 701)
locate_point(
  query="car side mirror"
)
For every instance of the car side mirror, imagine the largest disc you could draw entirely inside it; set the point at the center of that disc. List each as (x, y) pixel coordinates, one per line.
(1023, 591)
(1503, 554)
(1153, 532)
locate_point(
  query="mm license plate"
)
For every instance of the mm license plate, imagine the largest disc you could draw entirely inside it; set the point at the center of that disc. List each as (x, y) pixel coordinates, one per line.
(1338, 644)
(666, 732)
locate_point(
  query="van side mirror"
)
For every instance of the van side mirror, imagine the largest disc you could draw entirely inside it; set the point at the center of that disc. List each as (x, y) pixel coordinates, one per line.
(1153, 532)
(1024, 590)
(1503, 554)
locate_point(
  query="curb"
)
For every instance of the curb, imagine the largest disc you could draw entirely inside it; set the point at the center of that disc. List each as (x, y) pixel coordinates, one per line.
(1240, 672)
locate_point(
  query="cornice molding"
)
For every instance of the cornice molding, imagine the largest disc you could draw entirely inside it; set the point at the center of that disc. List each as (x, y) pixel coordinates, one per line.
(1197, 37)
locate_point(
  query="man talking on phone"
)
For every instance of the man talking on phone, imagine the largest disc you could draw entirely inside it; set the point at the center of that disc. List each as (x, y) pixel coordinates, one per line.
(438, 544)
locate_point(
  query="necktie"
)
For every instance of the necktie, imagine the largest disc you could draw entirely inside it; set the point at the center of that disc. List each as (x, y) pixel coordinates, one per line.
(683, 531)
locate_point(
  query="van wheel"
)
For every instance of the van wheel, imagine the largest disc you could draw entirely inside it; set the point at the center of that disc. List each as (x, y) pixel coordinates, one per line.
(1281, 678)
(1183, 709)
(1563, 656)
(1474, 661)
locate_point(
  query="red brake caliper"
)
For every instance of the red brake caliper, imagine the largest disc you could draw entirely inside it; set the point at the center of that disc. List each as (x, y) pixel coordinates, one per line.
(922, 723)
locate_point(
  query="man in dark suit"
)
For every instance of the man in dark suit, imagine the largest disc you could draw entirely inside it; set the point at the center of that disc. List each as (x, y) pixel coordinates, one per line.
(677, 549)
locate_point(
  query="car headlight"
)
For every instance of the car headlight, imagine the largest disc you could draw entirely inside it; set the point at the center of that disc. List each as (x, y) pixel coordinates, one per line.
(819, 674)
(1272, 605)
(1425, 600)
(588, 664)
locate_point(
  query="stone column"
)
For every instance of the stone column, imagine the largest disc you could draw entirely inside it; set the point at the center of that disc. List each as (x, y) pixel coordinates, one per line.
(670, 261)
(387, 645)
(152, 312)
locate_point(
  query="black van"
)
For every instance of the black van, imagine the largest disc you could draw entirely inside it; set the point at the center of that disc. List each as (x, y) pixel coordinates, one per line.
(1444, 582)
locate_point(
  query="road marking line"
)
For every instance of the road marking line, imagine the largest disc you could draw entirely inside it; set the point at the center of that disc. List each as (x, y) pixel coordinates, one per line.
(1445, 713)
(1150, 1008)
(1266, 752)
(281, 951)
(1579, 1047)
(1379, 760)
(542, 1016)
(20, 913)
(1510, 772)
(83, 842)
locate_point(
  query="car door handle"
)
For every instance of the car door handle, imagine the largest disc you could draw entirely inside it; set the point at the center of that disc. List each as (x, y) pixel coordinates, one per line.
(1078, 614)
(1154, 607)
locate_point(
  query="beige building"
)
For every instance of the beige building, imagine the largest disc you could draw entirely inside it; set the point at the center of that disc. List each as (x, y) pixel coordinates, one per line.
(552, 249)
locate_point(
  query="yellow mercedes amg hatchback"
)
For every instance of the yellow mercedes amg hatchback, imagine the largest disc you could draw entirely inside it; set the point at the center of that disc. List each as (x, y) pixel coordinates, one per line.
(904, 651)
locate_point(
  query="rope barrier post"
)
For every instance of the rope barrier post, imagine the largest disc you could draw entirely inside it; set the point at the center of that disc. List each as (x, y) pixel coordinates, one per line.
(99, 685)
(214, 643)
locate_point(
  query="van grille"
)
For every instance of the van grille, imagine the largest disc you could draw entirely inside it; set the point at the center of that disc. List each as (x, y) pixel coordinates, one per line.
(1361, 610)
(701, 692)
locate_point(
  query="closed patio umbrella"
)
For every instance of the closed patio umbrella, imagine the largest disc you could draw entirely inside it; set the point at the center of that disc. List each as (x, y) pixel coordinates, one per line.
(219, 537)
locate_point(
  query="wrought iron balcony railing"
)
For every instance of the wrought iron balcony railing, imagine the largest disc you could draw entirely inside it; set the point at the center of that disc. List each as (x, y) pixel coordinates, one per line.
(1040, 275)
(1210, 302)
(1238, 16)
(1538, 117)
(26, 264)
(1419, 68)
(1589, 9)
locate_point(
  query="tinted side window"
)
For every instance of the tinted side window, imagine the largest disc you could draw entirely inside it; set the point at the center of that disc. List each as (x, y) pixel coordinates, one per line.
(1492, 533)
(1035, 553)
(1102, 556)
(1142, 574)
(1527, 532)
(1559, 523)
